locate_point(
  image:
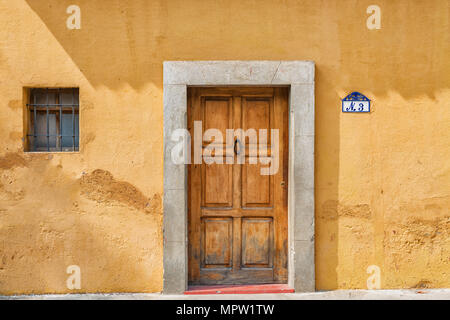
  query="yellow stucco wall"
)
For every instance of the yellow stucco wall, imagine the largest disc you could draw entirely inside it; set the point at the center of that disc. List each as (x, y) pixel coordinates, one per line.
(382, 179)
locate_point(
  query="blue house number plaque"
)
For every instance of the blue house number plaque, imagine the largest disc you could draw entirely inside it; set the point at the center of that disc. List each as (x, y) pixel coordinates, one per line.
(355, 102)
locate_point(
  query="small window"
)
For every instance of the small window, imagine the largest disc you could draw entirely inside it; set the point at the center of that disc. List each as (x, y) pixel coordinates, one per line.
(53, 120)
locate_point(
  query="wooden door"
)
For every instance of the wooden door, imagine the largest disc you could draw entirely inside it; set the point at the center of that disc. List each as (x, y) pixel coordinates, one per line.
(238, 216)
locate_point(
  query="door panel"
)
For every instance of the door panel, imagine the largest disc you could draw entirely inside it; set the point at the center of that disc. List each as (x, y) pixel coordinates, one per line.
(217, 242)
(217, 113)
(257, 189)
(217, 185)
(256, 114)
(237, 216)
(257, 242)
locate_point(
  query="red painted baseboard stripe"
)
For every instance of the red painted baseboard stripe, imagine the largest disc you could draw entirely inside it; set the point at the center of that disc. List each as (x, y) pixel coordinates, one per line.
(240, 289)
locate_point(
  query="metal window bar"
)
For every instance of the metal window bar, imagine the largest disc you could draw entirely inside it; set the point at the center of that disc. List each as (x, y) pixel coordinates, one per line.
(73, 122)
(34, 125)
(48, 124)
(60, 121)
(35, 107)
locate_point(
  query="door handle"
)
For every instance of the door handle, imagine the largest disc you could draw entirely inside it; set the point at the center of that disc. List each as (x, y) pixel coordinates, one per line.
(236, 151)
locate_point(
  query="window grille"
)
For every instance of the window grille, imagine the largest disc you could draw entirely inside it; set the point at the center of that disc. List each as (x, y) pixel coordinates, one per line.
(53, 120)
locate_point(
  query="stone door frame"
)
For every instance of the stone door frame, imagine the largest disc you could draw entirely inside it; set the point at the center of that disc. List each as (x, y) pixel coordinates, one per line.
(299, 76)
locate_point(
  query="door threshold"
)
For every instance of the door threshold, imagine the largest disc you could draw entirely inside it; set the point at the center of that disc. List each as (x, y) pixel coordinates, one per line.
(240, 289)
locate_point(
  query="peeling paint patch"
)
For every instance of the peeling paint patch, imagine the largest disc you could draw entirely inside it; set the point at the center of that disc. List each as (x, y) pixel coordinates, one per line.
(11, 160)
(332, 209)
(423, 284)
(15, 104)
(89, 138)
(11, 195)
(15, 135)
(100, 186)
(156, 204)
(418, 244)
(418, 234)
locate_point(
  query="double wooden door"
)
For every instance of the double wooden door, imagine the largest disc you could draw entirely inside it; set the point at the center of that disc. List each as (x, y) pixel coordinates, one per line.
(238, 215)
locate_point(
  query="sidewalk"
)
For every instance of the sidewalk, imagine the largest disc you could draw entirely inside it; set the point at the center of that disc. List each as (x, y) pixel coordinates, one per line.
(417, 294)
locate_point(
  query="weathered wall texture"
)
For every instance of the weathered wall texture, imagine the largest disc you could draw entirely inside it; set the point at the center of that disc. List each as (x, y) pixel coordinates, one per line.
(382, 179)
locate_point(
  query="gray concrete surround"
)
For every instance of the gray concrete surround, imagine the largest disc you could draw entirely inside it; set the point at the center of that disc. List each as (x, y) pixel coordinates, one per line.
(299, 76)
